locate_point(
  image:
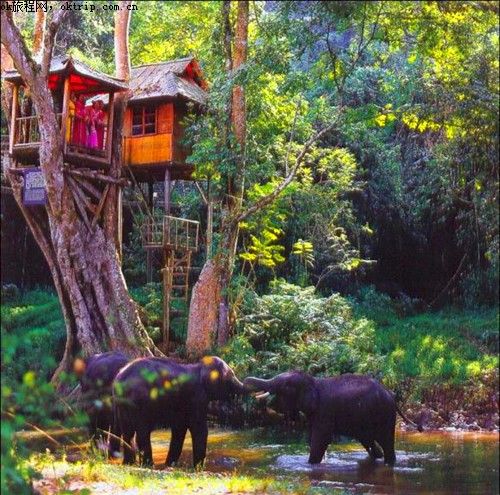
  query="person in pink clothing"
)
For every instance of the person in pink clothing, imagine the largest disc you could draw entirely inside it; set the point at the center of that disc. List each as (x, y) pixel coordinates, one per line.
(100, 121)
(91, 120)
(79, 136)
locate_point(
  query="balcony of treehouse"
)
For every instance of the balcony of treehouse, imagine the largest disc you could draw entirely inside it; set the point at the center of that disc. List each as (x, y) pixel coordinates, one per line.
(162, 95)
(83, 100)
(168, 232)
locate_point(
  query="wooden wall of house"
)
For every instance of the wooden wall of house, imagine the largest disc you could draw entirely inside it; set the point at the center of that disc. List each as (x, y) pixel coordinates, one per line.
(180, 151)
(152, 148)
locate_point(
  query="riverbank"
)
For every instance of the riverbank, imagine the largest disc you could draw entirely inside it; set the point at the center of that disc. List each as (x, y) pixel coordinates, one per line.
(262, 461)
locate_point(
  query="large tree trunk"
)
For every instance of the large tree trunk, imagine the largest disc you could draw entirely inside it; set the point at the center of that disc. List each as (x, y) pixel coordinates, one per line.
(209, 310)
(113, 206)
(83, 259)
(204, 311)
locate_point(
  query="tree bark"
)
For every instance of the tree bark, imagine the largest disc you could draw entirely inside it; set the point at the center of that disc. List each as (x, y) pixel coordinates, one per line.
(238, 108)
(6, 63)
(97, 309)
(204, 311)
(238, 122)
(39, 31)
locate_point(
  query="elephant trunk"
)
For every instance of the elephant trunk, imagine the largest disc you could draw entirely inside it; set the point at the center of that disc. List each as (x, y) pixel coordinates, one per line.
(239, 387)
(253, 384)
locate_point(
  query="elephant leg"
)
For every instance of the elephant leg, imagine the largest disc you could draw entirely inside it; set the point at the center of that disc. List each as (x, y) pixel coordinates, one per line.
(128, 449)
(309, 435)
(176, 443)
(319, 444)
(102, 428)
(373, 449)
(199, 434)
(144, 446)
(386, 441)
(93, 429)
(114, 439)
(376, 451)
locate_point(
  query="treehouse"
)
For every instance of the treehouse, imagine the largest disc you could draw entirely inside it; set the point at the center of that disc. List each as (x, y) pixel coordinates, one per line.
(161, 96)
(79, 93)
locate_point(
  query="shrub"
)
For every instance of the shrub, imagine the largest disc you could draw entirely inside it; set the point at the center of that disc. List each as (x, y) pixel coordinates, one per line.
(293, 328)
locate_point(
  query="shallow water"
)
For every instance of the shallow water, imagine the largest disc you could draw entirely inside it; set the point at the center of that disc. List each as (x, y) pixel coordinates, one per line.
(428, 462)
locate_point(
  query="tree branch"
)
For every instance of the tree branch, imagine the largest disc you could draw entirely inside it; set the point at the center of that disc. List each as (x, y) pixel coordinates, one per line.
(38, 31)
(13, 41)
(49, 38)
(266, 200)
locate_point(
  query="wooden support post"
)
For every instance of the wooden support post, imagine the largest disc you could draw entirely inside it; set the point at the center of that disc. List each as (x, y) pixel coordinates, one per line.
(119, 218)
(167, 190)
(149, 253)
(65, 110)
(109, 136)
(150, 195)
(13, 118)
(100, 206)
(167, 292)
(149, 270)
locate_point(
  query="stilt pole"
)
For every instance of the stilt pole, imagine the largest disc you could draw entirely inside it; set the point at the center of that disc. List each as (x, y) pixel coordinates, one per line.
(167, 269)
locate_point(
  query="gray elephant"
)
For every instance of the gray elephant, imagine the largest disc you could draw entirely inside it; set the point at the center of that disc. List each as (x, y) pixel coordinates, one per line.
(158, 392)
(352, 405)
(96, 376)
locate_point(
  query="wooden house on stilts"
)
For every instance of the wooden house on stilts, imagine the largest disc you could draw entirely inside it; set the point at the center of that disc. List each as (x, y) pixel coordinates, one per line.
(161, 95)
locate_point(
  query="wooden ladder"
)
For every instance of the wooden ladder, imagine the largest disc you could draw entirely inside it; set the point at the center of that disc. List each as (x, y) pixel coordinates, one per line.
(175, 284)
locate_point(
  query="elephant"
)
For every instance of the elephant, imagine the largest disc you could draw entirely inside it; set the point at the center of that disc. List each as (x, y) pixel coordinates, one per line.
(159, 392)
(96, 376)
(356, 406)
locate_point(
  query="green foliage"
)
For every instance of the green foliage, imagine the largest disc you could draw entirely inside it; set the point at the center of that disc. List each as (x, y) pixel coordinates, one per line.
(446, 347)
(33, 335)
(134, 255)
(150, 299)
(292, 328)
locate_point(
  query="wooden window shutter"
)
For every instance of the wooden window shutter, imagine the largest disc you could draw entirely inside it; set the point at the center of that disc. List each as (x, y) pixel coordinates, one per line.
(166, 118)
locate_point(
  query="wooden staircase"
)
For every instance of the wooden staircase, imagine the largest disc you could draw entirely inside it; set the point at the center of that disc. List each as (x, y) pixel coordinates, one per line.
(178, 238)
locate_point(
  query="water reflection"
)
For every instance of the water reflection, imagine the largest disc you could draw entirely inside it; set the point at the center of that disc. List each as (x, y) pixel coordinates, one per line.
(429, 462)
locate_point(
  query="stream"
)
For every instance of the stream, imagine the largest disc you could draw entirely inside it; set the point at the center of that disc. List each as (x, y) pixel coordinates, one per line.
(430, 462)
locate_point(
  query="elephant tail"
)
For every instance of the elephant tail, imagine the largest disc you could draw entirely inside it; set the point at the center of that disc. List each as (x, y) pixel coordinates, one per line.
(418, 425)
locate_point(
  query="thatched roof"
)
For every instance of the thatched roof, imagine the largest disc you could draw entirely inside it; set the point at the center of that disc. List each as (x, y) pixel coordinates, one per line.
(172, 79)
(67, 64)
